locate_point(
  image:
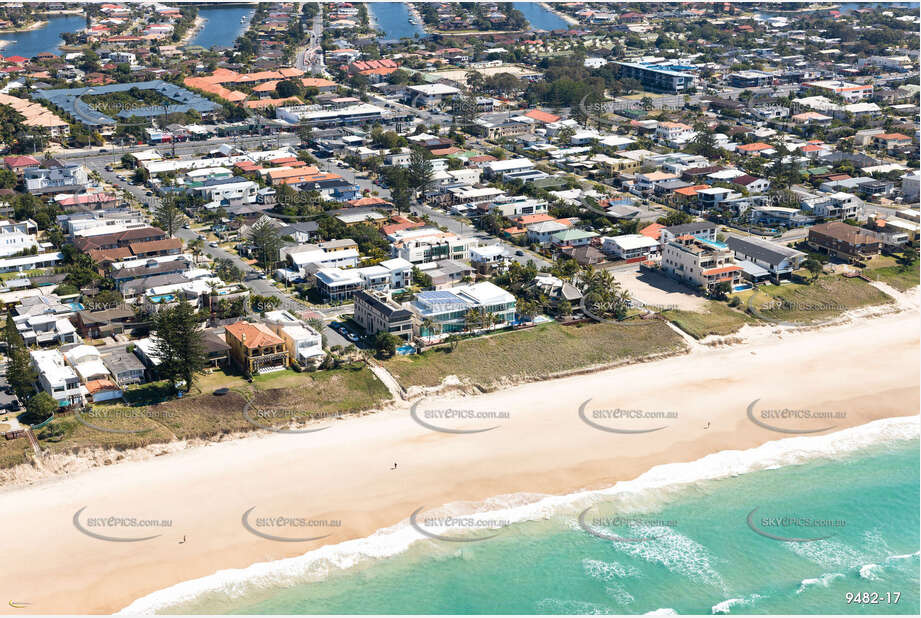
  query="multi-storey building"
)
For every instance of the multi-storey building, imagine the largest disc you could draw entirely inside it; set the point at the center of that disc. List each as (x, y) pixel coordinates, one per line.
(700, 262)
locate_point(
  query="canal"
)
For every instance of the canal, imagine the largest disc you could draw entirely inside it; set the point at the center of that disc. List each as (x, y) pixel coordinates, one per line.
(223, 24)
(45, 39)
(539, 17)
(393, 19)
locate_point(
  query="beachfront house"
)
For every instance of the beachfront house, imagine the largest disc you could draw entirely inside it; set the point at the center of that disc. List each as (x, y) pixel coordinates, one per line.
(462, 308)
(255, 349)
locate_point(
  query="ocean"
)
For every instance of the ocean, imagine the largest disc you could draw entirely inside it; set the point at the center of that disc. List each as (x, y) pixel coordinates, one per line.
(803, 525)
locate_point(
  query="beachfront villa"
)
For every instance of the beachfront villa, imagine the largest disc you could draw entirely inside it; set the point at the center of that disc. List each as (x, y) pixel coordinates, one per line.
(57, 378)
(450, 310)
(255, 349)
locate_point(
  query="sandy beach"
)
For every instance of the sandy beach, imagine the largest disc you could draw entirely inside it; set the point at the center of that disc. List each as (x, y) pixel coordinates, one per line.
(862, 370)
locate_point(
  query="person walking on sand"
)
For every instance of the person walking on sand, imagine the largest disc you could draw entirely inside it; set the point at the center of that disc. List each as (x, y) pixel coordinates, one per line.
(394, 466)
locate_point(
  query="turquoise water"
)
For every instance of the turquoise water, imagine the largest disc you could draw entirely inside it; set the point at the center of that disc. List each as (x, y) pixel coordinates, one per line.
(47, 39)
(223, 25)
(692, 552)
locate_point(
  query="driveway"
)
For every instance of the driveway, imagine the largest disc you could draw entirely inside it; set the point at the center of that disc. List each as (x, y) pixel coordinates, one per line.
(659, 290)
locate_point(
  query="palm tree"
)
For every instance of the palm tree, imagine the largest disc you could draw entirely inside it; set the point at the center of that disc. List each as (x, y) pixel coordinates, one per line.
(472, 319)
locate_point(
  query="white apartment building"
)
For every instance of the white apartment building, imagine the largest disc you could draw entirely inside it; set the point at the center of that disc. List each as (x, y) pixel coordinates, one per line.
(513, 205)
(96, 222)
(427, 244)
(72, 177)
(304, 344)
(16, 237)
(700, 262)
(630, 246)
(56, 378)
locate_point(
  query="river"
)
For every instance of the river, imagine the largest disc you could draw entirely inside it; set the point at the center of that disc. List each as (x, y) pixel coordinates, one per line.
(45, 39)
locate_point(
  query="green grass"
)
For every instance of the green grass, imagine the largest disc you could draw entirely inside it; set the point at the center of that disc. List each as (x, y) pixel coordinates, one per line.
(896, 276)
(718, 319)
(535, 353)
(13, 452)
(887, 269)
(205, 416)
(826, 298)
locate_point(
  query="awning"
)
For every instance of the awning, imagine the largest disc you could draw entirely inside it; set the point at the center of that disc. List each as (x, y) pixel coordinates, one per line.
(753, 270)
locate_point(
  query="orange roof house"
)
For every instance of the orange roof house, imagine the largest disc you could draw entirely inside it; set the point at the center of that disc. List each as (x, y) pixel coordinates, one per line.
(653, 230)
(754, 148)
(543, 117)
(254, 348)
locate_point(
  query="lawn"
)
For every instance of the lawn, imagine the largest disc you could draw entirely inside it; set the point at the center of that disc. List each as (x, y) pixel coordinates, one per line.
(826, 298)
(886, 269)
(535, 353)
(718, 319)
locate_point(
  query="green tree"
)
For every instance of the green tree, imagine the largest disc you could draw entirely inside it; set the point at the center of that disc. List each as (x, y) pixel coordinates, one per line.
(179, 343)
(386, 344)
(8, 179)
(40, 407)
(168, 216)
(19, 371)
(266, 244)
(814, 267)
(421, 172)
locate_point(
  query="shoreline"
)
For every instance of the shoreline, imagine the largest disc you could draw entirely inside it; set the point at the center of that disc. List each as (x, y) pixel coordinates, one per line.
(38, 25)
(823, 367)
(192, 32)
(391, 542)
(572, 21)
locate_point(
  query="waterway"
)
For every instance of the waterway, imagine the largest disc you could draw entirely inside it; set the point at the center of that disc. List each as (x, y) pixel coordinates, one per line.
(45, 39)
(539, 17)
(223, 25)
(393, 19)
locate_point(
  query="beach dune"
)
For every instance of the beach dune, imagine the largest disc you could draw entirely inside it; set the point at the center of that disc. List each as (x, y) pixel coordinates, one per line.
(540, 443)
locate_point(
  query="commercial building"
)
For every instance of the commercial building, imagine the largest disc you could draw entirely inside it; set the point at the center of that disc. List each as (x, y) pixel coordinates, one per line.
(659, 77)
(318, 116)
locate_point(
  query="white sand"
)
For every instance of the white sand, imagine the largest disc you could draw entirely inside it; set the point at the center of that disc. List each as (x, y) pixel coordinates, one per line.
(868, 369)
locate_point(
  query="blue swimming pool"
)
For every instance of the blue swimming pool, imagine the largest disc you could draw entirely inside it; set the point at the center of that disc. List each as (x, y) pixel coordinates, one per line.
(403, 350)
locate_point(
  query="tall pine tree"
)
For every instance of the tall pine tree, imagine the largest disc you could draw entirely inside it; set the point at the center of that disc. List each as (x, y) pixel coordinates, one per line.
(180, 343)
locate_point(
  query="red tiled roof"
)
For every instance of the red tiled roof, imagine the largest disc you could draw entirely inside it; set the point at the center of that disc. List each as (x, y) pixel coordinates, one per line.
(251, 335)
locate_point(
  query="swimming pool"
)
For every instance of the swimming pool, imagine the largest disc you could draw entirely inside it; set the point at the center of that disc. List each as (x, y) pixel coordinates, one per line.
(406, 349)
(163, 298)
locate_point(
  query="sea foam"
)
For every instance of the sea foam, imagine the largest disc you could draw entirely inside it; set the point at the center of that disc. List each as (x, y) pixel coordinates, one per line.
(388, 542)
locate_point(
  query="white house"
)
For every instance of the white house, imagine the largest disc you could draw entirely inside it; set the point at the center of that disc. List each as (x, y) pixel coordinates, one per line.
(56, 378)
(630, 246)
